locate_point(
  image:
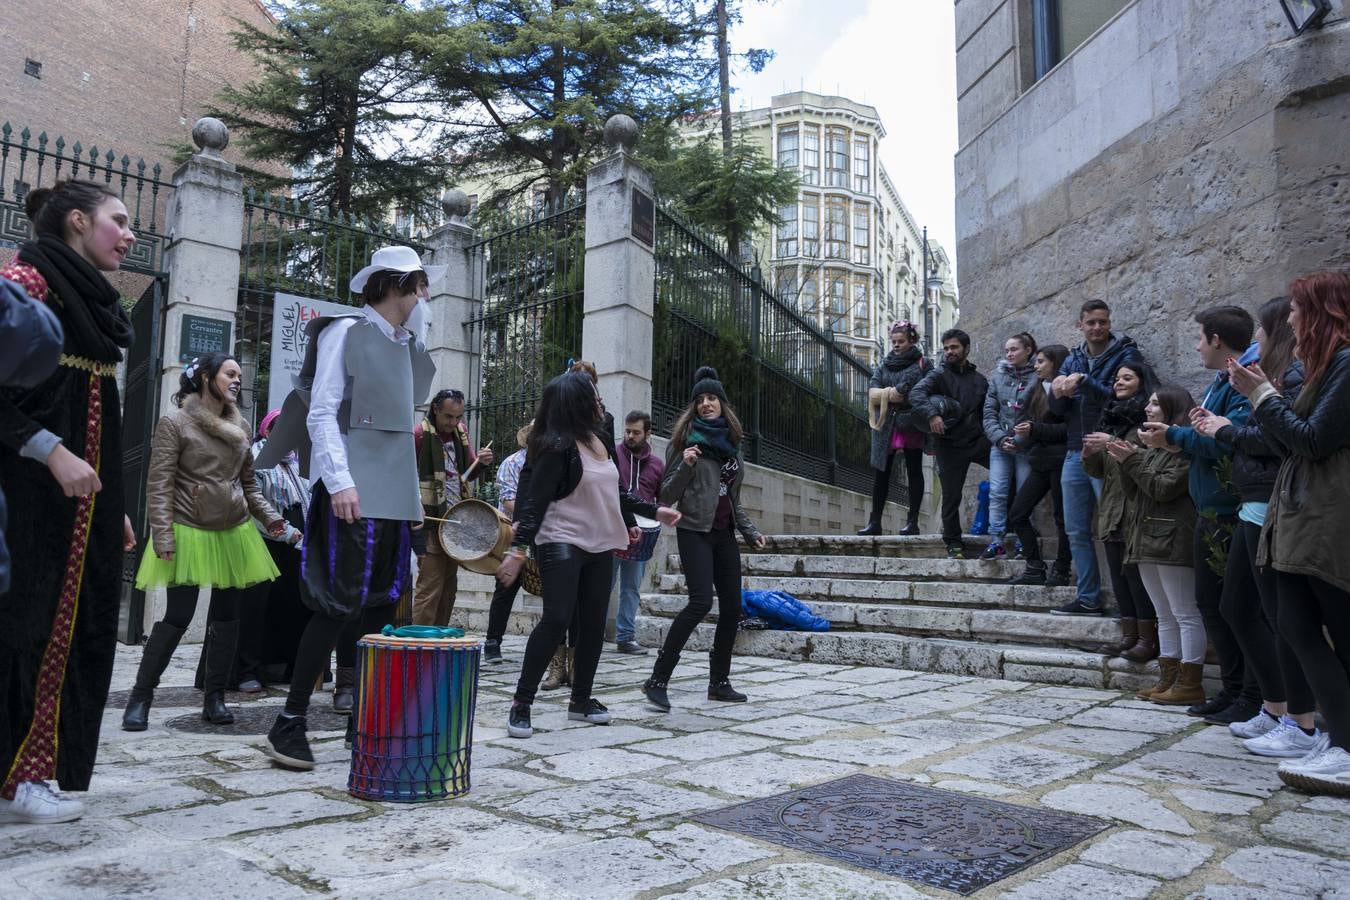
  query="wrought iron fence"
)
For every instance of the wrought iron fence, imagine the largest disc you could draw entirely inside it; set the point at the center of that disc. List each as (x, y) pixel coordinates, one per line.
(28, 163)
(530, 277)
(296, 248)
(801, 397)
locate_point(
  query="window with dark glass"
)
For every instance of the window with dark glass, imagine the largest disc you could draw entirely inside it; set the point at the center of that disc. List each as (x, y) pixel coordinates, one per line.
(1059, 27)
(787, 147)
(811, 226)
(862, 165)
(836, 228)
(861, 237)
(811, 154)
(787, 230)
(836, 157)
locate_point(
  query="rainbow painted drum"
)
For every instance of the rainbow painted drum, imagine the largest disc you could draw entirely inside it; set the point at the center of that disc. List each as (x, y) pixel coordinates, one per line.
(646, 545)
(413, 719)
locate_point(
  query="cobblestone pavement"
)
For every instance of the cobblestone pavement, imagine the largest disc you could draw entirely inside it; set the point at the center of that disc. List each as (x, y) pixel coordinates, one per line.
(587, 811)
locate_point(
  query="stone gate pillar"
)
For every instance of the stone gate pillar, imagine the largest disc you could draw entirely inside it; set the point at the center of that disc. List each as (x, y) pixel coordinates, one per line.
(620, 273)
(453, 298)
(205, 227)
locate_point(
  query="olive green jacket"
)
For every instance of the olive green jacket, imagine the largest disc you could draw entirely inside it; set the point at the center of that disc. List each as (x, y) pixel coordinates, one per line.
(1163, 528)
(1116, 505)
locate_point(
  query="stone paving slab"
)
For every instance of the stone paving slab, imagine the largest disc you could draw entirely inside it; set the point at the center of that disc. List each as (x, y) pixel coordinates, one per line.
(580, 810)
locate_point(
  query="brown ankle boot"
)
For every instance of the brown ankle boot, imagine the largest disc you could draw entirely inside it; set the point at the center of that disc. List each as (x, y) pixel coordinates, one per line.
(556, 676)
(1186, 689)
(1167, 673)
(1129, 636)
(1147, 647)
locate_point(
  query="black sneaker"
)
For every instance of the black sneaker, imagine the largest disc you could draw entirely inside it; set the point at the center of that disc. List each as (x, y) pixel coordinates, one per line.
(1058, 578)
(1076, 608)
(1240, 711)
(722, 690)
(630, 647)
(492, 652)
(591, 710)
(956, 551)
(1034, 573)
(656, 694)
(518, 721)
(287, 745)
(1218, 703)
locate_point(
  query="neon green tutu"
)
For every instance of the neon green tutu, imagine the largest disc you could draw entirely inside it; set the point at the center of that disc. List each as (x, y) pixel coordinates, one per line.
(233, 558)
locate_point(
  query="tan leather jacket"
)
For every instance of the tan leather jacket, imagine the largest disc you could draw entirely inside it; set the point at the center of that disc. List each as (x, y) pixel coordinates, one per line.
(201, 474)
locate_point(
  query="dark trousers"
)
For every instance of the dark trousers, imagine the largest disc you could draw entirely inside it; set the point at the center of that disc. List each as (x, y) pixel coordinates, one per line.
(575, 583)
(182, 605)
(711, 562)
(1131, 596)
(881, 483)
(1237, 681)
(1028, 497)
(952, 466)
(316, 648)
(1307, 605)
(499, 613)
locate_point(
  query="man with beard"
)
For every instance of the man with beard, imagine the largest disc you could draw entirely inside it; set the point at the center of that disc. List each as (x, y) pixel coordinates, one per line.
(640, 473)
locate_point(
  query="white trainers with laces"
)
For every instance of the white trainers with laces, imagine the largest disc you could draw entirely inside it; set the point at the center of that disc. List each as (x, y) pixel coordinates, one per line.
(1327, 772)
(1285, 741)
(1257, 725)
(35, 803)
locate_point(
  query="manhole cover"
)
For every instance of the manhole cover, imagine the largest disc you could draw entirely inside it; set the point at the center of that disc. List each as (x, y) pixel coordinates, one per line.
(257, 718)
(167, 697)
(945, 839)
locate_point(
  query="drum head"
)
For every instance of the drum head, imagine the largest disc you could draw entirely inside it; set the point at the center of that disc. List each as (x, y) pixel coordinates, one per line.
(471, 530)
(646, 524)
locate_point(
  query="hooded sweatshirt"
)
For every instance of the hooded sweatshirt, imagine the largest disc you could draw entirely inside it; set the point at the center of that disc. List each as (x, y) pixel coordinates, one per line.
(640, 472)
(1081, 411)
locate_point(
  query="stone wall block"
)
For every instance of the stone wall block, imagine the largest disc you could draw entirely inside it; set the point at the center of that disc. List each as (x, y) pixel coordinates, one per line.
(971, 16)
(1100, 61)
(986, 46)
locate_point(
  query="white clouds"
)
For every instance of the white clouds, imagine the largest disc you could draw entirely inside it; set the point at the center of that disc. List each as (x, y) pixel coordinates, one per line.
(897, 55)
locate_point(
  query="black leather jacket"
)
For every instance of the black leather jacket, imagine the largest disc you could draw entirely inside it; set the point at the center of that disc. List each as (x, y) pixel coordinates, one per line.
(1256, 455)
(554, 475)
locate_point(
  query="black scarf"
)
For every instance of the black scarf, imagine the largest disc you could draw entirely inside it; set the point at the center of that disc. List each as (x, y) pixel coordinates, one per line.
(1120, 417)
(897, 361)
(96, 325)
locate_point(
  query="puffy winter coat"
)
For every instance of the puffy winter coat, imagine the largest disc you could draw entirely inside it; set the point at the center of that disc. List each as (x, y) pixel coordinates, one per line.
(1004, 399)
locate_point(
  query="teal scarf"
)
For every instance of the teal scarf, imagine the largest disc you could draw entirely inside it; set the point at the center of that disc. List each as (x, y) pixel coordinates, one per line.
(712, 436)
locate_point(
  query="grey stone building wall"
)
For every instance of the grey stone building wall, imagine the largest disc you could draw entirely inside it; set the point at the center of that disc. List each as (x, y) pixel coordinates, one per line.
(1192, 152)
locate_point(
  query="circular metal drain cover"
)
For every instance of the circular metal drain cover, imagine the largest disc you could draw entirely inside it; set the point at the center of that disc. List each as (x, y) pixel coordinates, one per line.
(255, 719)
(169, 697)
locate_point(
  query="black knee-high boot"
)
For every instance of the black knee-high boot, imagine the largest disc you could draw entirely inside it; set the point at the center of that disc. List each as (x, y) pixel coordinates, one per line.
(219, 658)
(155, 658)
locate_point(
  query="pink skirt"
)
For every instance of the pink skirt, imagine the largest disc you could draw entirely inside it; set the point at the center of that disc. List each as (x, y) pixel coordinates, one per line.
(906, 440)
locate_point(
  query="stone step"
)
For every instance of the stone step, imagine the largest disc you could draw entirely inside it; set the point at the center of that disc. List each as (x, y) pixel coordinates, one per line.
(983, 625)
(919, 546)
(1015, 662)
(916, 593)
(881, 567)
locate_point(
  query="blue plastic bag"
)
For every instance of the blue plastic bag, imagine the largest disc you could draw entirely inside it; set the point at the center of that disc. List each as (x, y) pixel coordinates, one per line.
(981, 523)
(785, 611)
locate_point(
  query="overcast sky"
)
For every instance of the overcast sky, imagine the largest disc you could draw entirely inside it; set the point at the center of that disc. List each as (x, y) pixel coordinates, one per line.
(897, 55)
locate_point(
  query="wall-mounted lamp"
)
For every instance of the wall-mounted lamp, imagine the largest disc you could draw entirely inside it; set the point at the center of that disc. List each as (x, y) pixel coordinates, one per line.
(1305, 14)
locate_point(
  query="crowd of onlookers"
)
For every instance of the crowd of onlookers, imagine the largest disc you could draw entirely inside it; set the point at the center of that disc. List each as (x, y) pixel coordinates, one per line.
(1217, 515)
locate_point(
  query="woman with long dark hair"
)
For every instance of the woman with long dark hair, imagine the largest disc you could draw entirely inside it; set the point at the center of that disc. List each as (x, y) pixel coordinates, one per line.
(704, 471)
(576, 514)
(61, 470)
(898, 373)
(1301, 535)
(1042, 435)
(1157, 541)
(1011, 382)
(1120, 421)
(200, 500)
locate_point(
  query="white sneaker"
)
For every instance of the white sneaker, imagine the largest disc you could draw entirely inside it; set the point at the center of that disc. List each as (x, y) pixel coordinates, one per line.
(1285, 741)
(35, 803)
(1257, 725)
(1327, 772)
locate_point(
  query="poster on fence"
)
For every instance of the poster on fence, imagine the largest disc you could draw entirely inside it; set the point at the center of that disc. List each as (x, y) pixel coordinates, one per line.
(290, 315)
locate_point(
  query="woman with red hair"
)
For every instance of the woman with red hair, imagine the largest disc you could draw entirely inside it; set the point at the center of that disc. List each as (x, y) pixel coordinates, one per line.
(1307, 510)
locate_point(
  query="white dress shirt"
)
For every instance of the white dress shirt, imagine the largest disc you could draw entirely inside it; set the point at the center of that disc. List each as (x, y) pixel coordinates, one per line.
(333, 385)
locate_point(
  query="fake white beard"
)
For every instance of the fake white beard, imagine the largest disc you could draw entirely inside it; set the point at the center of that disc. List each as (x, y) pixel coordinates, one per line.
(419, 322)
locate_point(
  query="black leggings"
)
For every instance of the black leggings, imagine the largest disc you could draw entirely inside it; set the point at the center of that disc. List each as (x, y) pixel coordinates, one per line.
(881, 482)
(499, 613)
(1131, 596)
(316, 647)
(182, 605)
(576, 583)
(1237, 679)
(1307, 605)
(711, 561)
(1028, 496)
(1250, 606)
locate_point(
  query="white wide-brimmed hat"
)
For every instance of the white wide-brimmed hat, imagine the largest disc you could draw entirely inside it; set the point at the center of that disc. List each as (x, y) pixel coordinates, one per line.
(395, 259)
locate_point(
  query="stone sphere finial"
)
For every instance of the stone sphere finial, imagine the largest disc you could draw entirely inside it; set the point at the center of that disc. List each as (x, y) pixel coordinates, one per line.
(621, 132)
(455, 204)
(210, 135)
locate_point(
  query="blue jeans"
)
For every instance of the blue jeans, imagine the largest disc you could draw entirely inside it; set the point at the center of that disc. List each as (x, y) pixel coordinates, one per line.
(1003, 469)
(629, 575)
(1080, 502)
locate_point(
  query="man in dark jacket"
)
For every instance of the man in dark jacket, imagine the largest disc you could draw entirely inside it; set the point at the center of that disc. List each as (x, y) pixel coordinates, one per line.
(1083, 387)
(640, 473)
(952, 397)
(30, 347)
(1224, 333)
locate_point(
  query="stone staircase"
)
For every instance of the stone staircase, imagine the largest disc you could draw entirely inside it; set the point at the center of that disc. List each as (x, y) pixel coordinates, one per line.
(899, 602)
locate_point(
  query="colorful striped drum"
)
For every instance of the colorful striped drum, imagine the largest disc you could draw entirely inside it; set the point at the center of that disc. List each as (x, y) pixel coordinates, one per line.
(413, 719)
